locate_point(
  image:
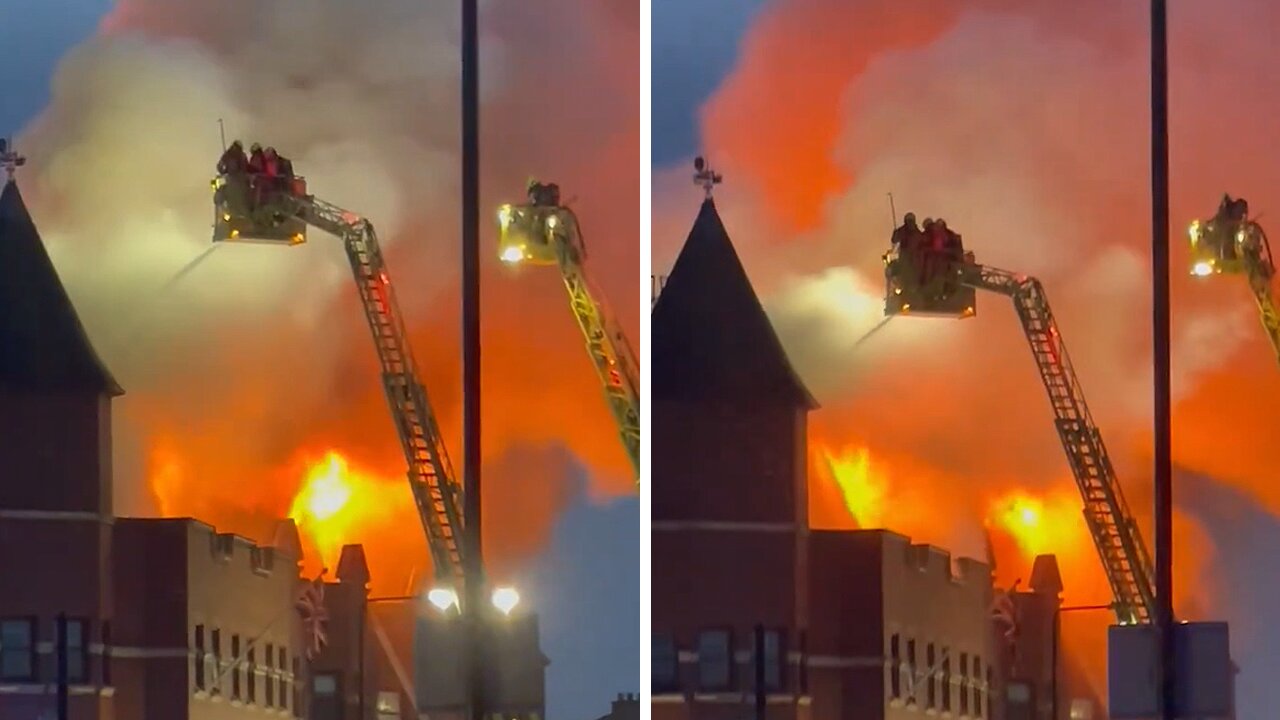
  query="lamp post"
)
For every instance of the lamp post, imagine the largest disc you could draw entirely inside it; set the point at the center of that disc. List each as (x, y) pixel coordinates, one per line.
(1163, 475)
(1057, 613)
(473, 571)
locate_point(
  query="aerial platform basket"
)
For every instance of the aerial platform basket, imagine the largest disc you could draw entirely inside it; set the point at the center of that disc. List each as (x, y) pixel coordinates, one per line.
(271, 219)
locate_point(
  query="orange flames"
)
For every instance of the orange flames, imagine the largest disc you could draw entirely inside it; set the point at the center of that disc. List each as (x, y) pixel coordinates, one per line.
(1039, 524)
(862, 489)
(337, 505)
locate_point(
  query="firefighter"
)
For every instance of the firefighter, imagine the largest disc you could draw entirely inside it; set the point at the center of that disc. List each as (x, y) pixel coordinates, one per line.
(233, 161)
(1226, 224)
(286, 171)
(935, 245)
(256, 159)
(271, 166)
(540, 194)
(256, 163)
(903, 235)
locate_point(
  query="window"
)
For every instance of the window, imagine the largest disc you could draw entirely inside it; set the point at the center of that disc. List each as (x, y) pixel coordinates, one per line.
(665, 664)
(964, 683)
(252, 685)
(325, 699)
(977, 686)
(199, 659)
(216, 642)
(235, 667)
(714, 658)
(18, 649)
(774, 660)
(77, 651)
(1018, 693)
(895, 666)
(269, 677)
(285, 689)
(911, 671)
(932, 668)
(946, 680)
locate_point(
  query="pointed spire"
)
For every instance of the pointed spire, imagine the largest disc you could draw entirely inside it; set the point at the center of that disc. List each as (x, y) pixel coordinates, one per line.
(353, 569)
(43, 346)
(1045, 577)
(711, 336)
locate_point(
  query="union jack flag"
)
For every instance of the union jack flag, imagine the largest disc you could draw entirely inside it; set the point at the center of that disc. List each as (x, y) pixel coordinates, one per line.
(315, 616)
(1004, 612)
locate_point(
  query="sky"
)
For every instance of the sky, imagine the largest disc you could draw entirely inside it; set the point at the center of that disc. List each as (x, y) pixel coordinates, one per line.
(569, 531)
(1025, 123)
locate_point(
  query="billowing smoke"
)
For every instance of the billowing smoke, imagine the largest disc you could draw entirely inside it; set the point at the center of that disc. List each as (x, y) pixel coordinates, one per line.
(257, 361)
(1025, 126)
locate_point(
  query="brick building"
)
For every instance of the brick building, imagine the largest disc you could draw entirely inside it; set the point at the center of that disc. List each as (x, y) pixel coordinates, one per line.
(55, 482)
(1029, 663)
(343, 675)
(897, 629)
(205, 624)
(165, 617)
(861, 625)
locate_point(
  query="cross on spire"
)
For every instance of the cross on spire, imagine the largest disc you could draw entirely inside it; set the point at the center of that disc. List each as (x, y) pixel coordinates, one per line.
(10, 159)
(705, 176)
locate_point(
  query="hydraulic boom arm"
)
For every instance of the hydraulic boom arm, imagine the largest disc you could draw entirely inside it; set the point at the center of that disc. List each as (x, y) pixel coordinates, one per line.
(282, 219)
(545, 233)
(1115, 533)
(928, 273)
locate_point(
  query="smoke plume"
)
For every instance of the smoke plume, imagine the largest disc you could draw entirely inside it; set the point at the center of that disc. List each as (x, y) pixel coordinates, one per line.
(1025, 126)
(257, 361)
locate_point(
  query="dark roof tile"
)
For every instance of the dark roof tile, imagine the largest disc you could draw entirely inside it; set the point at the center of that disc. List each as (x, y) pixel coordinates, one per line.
(43, 346)
(711, 337)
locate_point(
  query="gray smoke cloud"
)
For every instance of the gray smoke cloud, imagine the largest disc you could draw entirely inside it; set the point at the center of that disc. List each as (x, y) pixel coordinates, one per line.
(258, 353)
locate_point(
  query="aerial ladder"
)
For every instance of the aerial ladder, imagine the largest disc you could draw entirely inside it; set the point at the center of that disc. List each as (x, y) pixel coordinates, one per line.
(543, 231)
(1232, 243)
(278, 211)
(929, 273)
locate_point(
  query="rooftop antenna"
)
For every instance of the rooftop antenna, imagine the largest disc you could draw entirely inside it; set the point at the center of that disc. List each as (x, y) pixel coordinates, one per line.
(10, 159)
(893, 212)
(222, 133)
(705, 176)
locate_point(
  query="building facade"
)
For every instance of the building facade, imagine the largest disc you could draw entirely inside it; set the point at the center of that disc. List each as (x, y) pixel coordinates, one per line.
(55, 484)
(730, 501)
(752, 611)
(164, 618)
(205, 623)
(898, 629)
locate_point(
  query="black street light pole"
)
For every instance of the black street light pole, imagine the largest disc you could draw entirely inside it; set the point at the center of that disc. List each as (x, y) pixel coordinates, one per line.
(473, 572)
(1056, 634)
(1160, 342)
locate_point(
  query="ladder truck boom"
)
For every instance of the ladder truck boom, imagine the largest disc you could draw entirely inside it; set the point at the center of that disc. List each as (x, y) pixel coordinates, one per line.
(1230, 242)
(929, 273)
(544, 232)
(278, 211)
